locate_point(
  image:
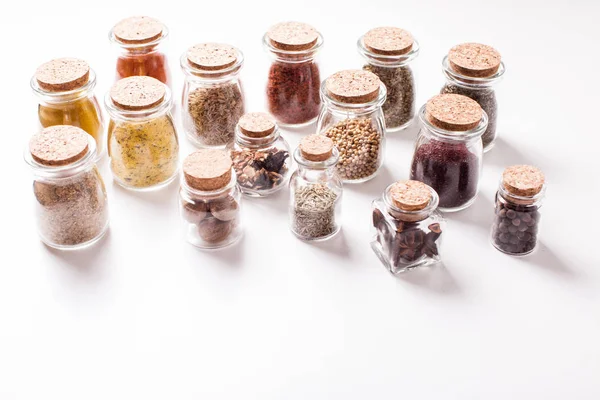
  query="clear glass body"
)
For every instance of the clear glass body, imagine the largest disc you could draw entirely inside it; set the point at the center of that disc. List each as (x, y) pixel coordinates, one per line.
(211, 220)
(403, 240)
(450, 162)
(315, 198)
(358, 131)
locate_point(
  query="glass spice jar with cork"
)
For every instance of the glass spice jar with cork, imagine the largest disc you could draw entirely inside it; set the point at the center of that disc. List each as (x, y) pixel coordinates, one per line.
(213, 99)
(71, 205)
(294, 80)
(261, 156)
(141, 42)
(65, 88)
(210, 199)
(448, 152)
(407, 228)
(352, 117)
(388, 52)
(518, 200)
(142, 140)
(315, 190)
(472, 70)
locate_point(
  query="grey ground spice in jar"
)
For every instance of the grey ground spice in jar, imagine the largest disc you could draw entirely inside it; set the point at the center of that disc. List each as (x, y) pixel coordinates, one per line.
(314, 211)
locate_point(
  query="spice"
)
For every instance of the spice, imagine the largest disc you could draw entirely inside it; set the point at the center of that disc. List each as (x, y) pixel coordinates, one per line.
(153, 65)
(399, 107)
(314, 211)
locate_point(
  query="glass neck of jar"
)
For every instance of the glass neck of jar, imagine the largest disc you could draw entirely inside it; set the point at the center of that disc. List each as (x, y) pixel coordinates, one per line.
(255, 142)
(156, 111)
(292, 56)
(220, 76)
(321, 169)
(387, 61)
(410, 216)
(85, 163)
(444, 135)
(82, 92)
(483, 83)
(351, 110)
(191, 193)
(527, 201)
(133, 49)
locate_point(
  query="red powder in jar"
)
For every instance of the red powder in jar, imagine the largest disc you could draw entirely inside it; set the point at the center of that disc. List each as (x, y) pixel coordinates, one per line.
(152, 64)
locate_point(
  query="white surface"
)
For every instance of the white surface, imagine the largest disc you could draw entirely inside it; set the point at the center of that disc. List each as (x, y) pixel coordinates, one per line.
(144, 315)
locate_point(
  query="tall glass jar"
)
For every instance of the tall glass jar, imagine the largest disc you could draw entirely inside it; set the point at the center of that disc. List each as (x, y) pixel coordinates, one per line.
(210, 200)
(389, 53)
(71, 206)
(294, 79)
(448, 152)
(315, 190)
(261, 156)
(142, 138)
(141, 43)
(407, 228)
(65, 89)
(213, 100)
(518, 200)
(472, 70)
(352, 117)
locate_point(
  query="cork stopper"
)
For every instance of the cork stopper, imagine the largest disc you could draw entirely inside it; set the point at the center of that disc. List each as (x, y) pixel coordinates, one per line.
(293, 36)
(453, 112)
(474, 60)
(212, 56)
(59, 145)
(389, 41)
(256, 124)
(207, 169)
(62, 74)
(134, 30)
(316, 147)
(137, 93)
(353, 86)
(523, 180)
(410, 195)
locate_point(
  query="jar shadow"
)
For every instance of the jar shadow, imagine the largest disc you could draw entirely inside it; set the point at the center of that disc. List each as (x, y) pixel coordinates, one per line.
(231, 256)
(436, 278)
(277, 202)
(407, 135)
(337, 245)
(375, 186)
(504, 154)
(480, 214)
(164, 196)
(87, 262)
(548, 260)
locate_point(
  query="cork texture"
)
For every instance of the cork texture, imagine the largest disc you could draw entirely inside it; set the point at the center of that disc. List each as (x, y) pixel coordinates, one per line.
(410, 195)
(353, 86)
(138, 29)
(453, 112)
(523, 180)
(256, 124)
(474, 60)
(212, 56)
(293, 36)
(388, 41)
(59, 145)
(62, 74)
(316, 147)
(207, 169)
(137, 93)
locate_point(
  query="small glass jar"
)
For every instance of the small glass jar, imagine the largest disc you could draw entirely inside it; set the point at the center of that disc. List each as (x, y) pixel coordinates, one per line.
(142, 138)
(448, 151)
(261, 156)
(71, 205)
(210, 200)
(315, 190)
(407, 228)
(141, 44)
(472, 70)
(294, 79)
(388, 53)
(352, 117)
(213, 100)
(518, 200)
(65, 89)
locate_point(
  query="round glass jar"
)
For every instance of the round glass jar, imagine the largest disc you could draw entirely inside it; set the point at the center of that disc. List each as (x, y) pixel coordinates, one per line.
(352, 117)
(213, 99)
(294, 79)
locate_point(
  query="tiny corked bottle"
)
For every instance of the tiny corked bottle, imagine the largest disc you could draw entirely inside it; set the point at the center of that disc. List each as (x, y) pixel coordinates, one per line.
(407, 228)
(352, 117)
(315, 190)
(210, 200)
(448, 152)
(472, 70)
(71, 205)
(213, 100)
(388, 52)
(294, 80)
(518, 200)
(261, 156)
(65, 89)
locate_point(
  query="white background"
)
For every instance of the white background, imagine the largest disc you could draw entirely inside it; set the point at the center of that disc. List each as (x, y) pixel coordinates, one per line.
(145, 315)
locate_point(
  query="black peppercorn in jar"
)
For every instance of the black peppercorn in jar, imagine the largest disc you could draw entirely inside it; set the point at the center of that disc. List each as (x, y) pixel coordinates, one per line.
(518, 201)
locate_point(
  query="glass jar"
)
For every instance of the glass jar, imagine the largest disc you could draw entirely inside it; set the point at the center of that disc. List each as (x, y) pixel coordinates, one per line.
(407, 228)
(388, 53)
(261, 156)
(352, 117)
(142, 138)
(294, 79)
(518, 200)
(213, 99)
(472, 70)
(65, 89)
(71, 206)
(448, 151)
(210, 200)
(315, 190)
(141, 44)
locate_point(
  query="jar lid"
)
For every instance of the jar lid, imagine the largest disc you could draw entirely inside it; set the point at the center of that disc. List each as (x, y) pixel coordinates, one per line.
(388, 40)
(410, 195)
(292, 36)
(59, 145)
(207, 169)
(62, 74)
(474, 60)
(316, 147)
(212, 56)
(523, 180)
(138, 30)
(353, 86)
(137, 93)
(256, 124)
(453, 112)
